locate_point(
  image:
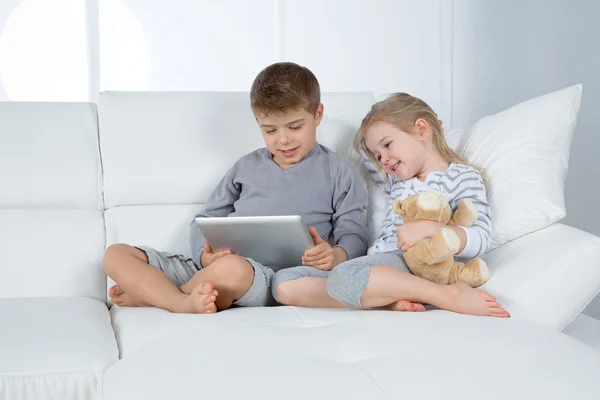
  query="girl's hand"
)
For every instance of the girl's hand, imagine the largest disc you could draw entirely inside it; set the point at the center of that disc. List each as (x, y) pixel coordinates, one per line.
(321, 256)
(411, 233)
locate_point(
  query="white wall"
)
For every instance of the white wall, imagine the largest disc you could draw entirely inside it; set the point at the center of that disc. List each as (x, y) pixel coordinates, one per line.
(351, 45)
(71, 49)
(44, 50)
(509, 51)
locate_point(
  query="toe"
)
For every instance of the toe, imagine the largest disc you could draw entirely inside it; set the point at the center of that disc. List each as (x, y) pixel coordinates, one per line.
(211, 309)
(488, 296)
(204, 288)
(499, 312)
(208, 300)
(114, 290)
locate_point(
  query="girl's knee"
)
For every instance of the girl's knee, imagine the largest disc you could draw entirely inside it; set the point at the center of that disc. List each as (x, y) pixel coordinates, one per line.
(283, 292)
(280, 287)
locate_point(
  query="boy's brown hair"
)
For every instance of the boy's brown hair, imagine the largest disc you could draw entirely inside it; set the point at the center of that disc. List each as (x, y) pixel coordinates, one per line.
(283, 87)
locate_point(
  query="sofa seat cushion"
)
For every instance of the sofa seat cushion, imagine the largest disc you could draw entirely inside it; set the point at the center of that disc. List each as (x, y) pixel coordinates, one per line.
(137, 327)
(295, 353)
(55, 348)
(586, 329)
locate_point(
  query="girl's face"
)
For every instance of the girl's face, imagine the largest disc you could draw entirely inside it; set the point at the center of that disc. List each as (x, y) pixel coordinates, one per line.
(401, 154)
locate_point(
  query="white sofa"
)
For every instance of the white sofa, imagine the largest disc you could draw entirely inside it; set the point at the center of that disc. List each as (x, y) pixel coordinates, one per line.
(75, 178)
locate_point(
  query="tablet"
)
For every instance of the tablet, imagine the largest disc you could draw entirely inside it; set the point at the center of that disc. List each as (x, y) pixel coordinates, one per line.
(273, 241)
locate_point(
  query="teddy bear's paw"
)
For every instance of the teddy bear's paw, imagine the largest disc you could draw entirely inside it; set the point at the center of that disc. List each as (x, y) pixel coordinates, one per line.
(451, 240)
(475, 273)
(443, 246)
(468, 203)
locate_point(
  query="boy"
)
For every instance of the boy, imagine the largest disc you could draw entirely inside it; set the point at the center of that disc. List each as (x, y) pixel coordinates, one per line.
(292, 175)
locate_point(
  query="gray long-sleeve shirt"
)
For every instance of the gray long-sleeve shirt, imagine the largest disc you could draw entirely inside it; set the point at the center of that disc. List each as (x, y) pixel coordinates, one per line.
(323, 189)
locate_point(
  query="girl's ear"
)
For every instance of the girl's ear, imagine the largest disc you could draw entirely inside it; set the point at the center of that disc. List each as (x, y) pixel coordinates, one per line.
(422, 128)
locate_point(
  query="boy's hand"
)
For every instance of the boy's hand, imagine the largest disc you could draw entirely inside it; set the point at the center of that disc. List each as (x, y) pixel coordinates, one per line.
(321, 255)
(411, 233)
(208, 257)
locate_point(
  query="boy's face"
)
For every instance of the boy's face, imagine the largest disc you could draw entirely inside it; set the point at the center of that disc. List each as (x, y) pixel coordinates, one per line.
(290, 136)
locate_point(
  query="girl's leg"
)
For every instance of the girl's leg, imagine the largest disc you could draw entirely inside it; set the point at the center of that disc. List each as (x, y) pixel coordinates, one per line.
(307, 287)
(387, 284)
(303, 287)
(383, 279)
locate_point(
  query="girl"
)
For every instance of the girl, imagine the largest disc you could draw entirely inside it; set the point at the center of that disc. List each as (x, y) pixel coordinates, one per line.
(403, 136)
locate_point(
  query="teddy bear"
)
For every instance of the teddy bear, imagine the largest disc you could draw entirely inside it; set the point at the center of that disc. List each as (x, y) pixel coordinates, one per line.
(433, 258)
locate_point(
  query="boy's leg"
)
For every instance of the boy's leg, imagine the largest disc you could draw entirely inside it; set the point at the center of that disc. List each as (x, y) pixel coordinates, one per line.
(140, 284)
(383, 279)
(240, 281)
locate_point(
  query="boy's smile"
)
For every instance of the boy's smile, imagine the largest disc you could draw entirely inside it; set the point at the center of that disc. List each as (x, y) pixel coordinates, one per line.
(290, 136)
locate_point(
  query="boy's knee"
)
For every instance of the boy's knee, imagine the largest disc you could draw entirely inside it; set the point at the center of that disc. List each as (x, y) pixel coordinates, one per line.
(116, 253)
(232, 270)
(113, 254)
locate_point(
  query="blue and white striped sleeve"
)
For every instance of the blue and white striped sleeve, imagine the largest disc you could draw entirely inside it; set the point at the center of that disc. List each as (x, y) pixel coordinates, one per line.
(374, 172)
(479, 236)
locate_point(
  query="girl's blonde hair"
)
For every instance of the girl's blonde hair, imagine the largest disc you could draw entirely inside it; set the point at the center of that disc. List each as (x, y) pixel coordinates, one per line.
(402, 111)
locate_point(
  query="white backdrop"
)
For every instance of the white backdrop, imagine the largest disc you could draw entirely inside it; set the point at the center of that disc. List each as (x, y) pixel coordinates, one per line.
(69, 50)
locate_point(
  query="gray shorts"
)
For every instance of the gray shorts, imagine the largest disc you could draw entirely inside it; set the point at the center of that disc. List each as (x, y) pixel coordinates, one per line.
(180, 269)
(347, 281)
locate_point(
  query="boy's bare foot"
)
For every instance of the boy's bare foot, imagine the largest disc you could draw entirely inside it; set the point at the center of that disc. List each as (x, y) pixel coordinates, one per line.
(202, 300)
(120, 298)
(466, 300)
(115, 291)
(405, 305)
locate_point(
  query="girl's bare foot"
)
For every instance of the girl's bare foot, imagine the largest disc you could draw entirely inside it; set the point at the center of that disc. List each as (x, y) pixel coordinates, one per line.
(405, 305)
(464, 299)
(201, 300)
(120, 298)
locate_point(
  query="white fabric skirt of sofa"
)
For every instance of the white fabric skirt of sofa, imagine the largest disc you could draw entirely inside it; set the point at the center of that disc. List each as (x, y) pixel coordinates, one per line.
(58, 348)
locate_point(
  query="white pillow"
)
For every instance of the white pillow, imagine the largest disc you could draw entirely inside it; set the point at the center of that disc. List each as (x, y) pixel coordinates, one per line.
(524, 154)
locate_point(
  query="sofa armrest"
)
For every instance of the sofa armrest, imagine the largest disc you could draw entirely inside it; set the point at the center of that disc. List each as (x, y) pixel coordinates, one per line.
(548, 276)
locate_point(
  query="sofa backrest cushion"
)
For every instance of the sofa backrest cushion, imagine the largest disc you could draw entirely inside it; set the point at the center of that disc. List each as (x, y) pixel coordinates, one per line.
(50, 201)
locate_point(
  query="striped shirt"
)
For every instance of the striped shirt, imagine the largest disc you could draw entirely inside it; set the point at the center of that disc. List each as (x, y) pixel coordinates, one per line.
(458, 182)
